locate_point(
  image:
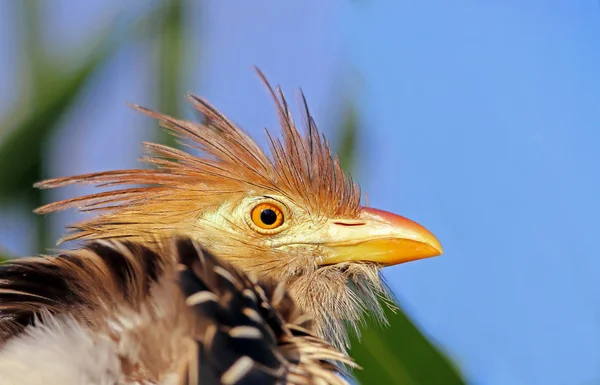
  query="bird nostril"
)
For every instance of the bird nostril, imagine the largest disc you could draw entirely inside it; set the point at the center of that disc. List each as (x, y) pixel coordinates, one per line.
(350, 223)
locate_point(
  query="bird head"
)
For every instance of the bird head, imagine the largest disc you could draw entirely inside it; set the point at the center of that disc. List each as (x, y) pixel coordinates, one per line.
(293, 216)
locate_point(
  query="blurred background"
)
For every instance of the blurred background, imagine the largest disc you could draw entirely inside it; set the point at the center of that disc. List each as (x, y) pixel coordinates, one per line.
(477, 119)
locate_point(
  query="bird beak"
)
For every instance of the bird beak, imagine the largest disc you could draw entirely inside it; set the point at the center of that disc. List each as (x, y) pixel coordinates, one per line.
(381, 237)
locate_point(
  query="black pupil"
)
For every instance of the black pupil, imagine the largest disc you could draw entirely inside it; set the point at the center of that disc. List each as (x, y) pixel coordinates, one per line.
(268, 216)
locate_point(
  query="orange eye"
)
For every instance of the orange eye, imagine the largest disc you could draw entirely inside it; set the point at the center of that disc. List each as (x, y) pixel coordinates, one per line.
(267, 216)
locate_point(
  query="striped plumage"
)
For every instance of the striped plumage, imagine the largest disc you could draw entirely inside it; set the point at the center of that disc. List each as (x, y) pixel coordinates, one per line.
(121, 313)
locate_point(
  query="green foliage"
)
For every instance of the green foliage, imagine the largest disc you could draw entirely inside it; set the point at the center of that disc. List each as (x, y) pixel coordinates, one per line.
(21, 150)
(171, 41)
(4, 255)
(53, 94)
(400, 354)
(347, 140)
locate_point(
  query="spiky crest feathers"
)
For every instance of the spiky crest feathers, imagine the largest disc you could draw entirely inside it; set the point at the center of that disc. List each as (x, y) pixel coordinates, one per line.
(180, 186)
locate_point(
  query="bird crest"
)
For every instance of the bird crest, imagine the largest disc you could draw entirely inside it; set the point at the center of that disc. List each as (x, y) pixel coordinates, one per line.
(179, 185)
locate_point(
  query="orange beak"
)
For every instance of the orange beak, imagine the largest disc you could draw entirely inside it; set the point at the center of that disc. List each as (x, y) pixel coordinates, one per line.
(381, 237)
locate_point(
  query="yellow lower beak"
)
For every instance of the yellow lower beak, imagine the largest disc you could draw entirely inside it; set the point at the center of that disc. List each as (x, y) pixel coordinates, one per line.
(381, 237)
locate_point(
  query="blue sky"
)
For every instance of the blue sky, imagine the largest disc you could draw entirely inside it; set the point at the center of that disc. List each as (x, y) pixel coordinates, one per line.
(480, 122)
(494, 113)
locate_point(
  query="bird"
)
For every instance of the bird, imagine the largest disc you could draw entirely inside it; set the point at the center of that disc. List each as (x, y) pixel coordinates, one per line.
(207, 322)
(289, 213)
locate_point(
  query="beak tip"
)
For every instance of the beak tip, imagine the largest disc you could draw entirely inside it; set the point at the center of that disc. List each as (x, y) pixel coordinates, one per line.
(438, 247)
(433, 245)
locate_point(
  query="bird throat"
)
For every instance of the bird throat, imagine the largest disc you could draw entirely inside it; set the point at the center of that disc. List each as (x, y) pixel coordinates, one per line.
(340, 297)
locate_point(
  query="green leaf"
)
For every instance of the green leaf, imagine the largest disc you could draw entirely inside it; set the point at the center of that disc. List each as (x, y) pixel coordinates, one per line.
(347, 140)
(171, 55)
(398, 354)
(4, 255)
(21, 149)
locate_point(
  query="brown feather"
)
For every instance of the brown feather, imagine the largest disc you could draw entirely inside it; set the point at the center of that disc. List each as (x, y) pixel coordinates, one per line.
(146, 307)
(99, 277)
(269, 338)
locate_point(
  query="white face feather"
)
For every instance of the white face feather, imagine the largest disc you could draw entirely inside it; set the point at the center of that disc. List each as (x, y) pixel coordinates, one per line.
(335, 296)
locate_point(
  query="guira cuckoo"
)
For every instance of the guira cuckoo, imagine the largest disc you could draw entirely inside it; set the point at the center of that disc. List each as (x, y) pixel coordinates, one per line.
(293, 216)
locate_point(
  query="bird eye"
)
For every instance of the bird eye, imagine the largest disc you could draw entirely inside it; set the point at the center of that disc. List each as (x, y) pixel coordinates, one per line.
(267, 216)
